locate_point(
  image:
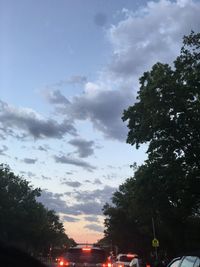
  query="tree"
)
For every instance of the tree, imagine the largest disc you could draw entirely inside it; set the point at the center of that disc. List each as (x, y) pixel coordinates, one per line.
(25, 222)
(166, 116)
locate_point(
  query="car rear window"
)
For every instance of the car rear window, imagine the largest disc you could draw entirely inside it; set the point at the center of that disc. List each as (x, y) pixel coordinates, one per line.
(125, 258)
(90, 256)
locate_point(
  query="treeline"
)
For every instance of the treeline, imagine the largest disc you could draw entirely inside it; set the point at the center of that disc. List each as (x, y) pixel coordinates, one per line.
(165, 190)
(24, 222)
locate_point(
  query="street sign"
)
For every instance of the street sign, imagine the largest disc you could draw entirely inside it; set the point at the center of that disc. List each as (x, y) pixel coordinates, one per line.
(155, 243)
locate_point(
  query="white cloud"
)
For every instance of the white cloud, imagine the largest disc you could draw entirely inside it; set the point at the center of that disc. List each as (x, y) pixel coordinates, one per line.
(153, 33)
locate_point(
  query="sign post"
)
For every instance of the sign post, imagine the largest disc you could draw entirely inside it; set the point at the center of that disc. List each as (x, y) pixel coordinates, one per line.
(155, 242)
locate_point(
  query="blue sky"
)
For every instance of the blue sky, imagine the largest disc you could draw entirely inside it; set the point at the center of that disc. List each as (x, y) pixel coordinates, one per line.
(68, 70)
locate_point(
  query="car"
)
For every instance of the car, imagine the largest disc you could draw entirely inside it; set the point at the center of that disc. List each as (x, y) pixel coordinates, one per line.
(123, 260)
(174, 262)
(188, 260)
(136, 262)
(83, 256)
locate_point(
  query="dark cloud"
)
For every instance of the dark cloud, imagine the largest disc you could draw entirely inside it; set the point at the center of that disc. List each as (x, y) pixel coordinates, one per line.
(104, 109)
(31, 123)
(69, 173)
(46, 178)
(76, 162)
(43, 148)
(74, 184)
(28, 174)
(91, 207)
(55, 202)
(97, 182)
(55, 97)
(99, 195)
(87, 202)
(29, 160)
(84, 148)
(91, 218)
(73, 80)
(94, 227)
(69, 219)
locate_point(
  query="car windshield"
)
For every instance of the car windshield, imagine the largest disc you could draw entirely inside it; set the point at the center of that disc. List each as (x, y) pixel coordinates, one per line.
(80, 256)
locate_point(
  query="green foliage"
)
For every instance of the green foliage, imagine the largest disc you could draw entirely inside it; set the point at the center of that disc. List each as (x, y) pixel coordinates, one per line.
(24, 221)
(166, 116)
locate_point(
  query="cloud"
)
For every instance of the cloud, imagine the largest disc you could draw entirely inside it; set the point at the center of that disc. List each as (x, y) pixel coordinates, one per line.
(152, 33)
(30, 161)
(43, 148)
(55, 97)
(55, 202)
(28, 174)
(73, 161)
(94, 227)
(46, 178)
(102, 107)
(69, 219)
(90, 207)
(84, 148)
(91, 218)
(3, 150)
(97, 182)
(31, 123)
(86, 202)
(99, 195)
(74, 184)
(69, 173)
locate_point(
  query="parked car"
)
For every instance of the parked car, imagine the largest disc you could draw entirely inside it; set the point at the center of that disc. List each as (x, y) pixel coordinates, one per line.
(190, 260)
(175, 262)
(137, 262)
(123, 260)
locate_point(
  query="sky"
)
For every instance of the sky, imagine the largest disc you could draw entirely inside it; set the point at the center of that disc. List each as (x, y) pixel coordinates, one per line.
(68, 69)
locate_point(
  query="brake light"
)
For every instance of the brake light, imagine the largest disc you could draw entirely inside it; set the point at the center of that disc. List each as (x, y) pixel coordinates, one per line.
(130, 255)
(63, 263)
(86, 249)
(120, 265)
(107, 264)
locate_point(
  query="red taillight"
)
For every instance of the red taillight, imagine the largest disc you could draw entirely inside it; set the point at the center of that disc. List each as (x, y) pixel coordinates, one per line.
(86, 249)
(130, 255)
(120, 265)
(63, 262)
(107, 264)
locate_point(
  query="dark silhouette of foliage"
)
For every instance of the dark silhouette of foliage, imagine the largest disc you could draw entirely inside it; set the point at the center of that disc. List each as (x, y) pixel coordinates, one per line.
(166, 116)
(24, 222)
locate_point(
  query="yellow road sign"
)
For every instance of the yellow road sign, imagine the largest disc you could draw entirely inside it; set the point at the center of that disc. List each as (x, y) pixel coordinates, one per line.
(155, 243)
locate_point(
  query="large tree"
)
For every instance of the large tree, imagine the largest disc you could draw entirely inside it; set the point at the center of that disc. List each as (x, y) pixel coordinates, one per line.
(166, 116)
(24, 222)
